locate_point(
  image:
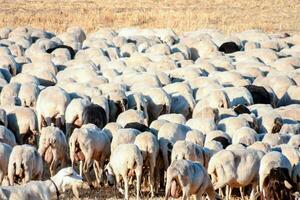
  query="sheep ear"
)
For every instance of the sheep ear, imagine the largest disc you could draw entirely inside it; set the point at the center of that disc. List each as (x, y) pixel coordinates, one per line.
(69, 171)
(287, 185)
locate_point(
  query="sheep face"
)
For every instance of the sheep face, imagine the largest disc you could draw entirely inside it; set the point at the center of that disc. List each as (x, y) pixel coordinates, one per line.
(110, 175)
(69, 177)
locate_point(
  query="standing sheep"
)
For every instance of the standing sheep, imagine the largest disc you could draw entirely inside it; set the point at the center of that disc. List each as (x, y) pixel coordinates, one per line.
(53, 148)
(189, 177)
(51, 105)
(89, 145)
(25, 164)
(125, 161)
(149, 147)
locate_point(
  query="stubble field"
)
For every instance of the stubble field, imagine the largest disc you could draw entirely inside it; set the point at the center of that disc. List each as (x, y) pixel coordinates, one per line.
(187, 15)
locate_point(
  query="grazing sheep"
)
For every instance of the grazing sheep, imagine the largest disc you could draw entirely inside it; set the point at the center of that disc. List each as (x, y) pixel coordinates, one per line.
(89, 145)
(149, 147)
(52, 111)
(278, 185)
(190, 178)
(125, 162)
(44, 190)
(25, 164)
(53, 148)
(270, 161)
(235, 168)
(23, 123)
(168, 134)
(5, 151)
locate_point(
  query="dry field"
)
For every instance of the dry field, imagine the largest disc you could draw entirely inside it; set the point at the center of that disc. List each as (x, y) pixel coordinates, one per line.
(180, 15)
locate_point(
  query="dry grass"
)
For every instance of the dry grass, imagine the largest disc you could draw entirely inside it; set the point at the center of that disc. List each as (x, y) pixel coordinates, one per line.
(180, 15)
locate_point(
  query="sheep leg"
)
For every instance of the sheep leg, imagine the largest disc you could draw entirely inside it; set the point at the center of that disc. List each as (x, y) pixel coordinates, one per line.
(168, 189)
(1, 177)
(138, 182)
(242, 193)
(80, 167)
(53, 166)
(210, 192)
(96, 170)
(125, 179)
(253, 191)
(152, 168)
(86, 166)
(228, 192)
(186, 192)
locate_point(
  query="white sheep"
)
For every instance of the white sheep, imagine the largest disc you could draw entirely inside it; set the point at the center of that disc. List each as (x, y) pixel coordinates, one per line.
(25, 164)
(149, 147)
(47, 109)
(125, 161)
(89, 145)
(53, 148)
(235, 168)
(74, 113)
(189, 151)
(189, 177)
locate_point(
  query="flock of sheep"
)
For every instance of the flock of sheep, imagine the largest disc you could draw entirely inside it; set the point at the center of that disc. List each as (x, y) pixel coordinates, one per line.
(197, 114)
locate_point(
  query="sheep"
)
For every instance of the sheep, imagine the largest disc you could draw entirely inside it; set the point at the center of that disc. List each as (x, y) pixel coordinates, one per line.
(10, 92)
(195, 137)
(168, 134)
(111, 129)
(52, 111)
(260, 146)
(124, 136)
(23, 123)
(89, 145)
(53, 148)
(130, 116)
(207, 113)
(44, 190)
(270, 161)
(138, 102)
(3, 117)
(149, 147)
(74, 114)
(278, 185)
(94, 114)
(244, 135)
(6, 136)
(235, 168)
(189, 151)
(173, 118)
(117, 103)
(125, 161)
(25, 164)
(190, 178)
(28, 94)
(159, 102)
(5, 151)
(231, 124)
